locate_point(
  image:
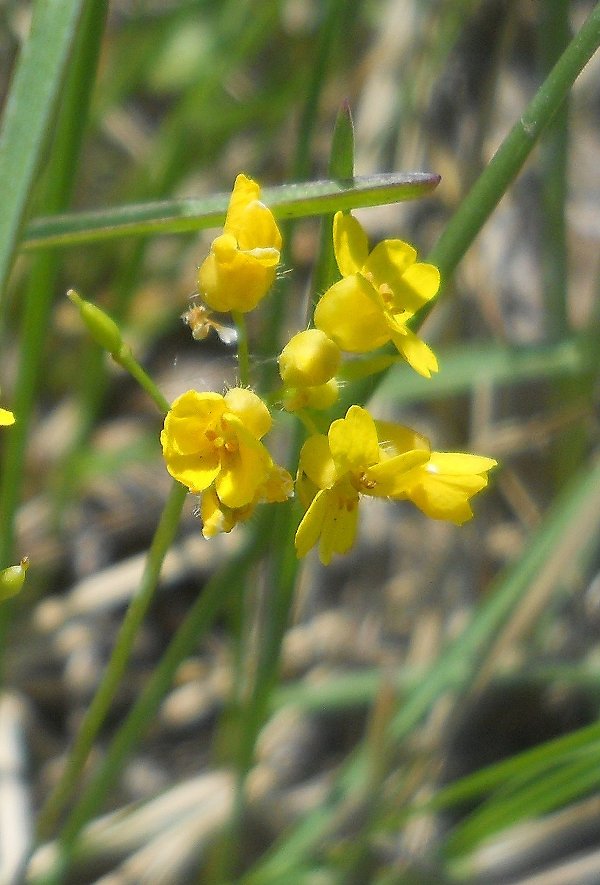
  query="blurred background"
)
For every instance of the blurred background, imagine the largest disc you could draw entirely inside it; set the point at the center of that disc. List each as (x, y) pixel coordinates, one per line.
(188, 94)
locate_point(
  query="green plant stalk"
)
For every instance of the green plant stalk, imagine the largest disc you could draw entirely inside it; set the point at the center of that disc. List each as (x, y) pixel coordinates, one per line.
(28, 114)
(568, 448)
(198, 621)
(508, 160)
(330, 28)
(554, 35)
(125, 358)
(56, 193)
(284, 565)
(456, 665)
(242, 348)
(546, 794)
(121, 654)
(574, 517)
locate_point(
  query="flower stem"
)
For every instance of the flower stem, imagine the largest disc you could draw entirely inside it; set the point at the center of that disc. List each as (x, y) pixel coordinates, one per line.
(125, 358)
(96, 713)
(209, 603)
(242, 343)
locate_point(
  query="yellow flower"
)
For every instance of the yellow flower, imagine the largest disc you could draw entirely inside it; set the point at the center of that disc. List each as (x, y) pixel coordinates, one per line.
(6, 418)
(360, 456)
(380, 291)
(212, 438)
(336, 469)
(241, 266)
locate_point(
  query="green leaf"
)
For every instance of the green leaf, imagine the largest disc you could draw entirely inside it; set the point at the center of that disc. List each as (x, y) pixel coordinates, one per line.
(29, 111)
(177, 216)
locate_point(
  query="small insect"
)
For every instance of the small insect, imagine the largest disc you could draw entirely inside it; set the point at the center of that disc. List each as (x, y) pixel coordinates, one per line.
(200, 321)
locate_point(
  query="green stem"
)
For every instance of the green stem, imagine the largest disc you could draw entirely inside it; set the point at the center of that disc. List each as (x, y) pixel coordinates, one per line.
(68, 134)
(242, 348)
(553, 39)
(491, 185)
(199, 619)
(96, 713)
(126, 359)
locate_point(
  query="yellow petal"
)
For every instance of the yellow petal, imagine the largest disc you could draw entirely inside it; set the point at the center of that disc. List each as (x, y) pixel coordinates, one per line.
(353, 441)
(350, 244)
(250, 409)
(395, 439)
(350, 316)
(257, 229)
(213, 515)
(443, 500)
(194, 471)
(316, 461)
(310, 528)
(420, 283)
(244, 472)
(6, 418)
(388, 475)
(416, 353)
(459, 463)
(239, 283)
(388, 261)
(187, 421)
(338, 531)
(245, 190)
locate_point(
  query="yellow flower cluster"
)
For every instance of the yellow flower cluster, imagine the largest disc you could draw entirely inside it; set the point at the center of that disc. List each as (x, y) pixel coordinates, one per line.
(213, 444)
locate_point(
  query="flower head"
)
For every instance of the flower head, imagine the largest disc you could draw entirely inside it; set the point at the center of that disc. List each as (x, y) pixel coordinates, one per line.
(378, 293)
(6, 418)
(241, 266)
(360, 456)
(335, 470)
(212, 438)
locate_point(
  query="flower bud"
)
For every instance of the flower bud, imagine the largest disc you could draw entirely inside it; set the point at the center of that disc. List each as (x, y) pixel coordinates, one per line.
(101, 327)
(322, 396)
(309, 359)
(13, 578)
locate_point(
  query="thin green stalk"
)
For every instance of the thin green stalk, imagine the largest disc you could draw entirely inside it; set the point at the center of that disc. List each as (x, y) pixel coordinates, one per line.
(554, 33)
(198, 621)
(28, 114)
(242, 348)
(126, 359)
(100, 706)
(57, 188)
(284, 564)
(508, 160)
(565, 532)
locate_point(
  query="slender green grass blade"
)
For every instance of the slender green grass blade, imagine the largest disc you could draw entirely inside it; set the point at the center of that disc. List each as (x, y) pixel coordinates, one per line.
(29, 112)
(38, 295)
(177, 216)
(464, 367)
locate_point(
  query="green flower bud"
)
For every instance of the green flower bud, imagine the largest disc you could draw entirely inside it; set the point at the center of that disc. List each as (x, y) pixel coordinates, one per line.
(13, 578)
(101, 327)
